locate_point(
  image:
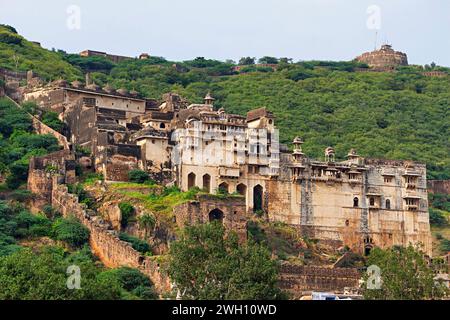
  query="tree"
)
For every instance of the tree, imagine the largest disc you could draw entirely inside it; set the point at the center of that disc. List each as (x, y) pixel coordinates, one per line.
(126, 210)
(244, 61)
(70, 231)
(147, 222)
(51, 119)
(25, 275)
(132, 281)
(206, 264)
(268, 60)
(405, 275)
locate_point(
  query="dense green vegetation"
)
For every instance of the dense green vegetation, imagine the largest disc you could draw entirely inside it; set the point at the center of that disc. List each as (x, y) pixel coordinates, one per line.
(404, 275)
(18, 144)
(18, 54)
(206, 264)
(137, 244)
(31, 270)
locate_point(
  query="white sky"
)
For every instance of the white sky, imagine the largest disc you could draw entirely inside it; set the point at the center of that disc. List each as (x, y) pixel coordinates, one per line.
(185, 29)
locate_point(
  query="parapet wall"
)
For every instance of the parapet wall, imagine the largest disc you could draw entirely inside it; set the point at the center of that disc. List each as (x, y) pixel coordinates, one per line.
(299, 279)
(41, 128)
(104, 242)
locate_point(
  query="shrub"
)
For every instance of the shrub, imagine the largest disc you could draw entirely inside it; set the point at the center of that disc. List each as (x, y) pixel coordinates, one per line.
(138, 176)
(30, 225)
(445, 245)
(137, 244)
(133, 282)
(70, 231)
(126, 210)
(10, 38)
(50, 212)
(51, 119)
(22, 195)
(437, 218)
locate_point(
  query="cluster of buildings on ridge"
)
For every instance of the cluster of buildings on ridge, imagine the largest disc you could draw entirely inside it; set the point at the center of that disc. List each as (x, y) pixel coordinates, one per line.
(361, 203)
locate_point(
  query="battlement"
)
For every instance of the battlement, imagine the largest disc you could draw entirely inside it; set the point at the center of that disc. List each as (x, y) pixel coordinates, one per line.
(384, 58)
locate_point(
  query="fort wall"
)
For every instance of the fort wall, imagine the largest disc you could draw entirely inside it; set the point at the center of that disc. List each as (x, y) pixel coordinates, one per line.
(231, 211)
(298, 280)
(105, 243)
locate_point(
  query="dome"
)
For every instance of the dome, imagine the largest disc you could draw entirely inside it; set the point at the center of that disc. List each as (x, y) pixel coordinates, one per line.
(123, 91)
(297, 140)
(93, 87)
(77, 84)
(134, 93)
(108, 89)
(352, 152)
(329, 150)
(61, 83)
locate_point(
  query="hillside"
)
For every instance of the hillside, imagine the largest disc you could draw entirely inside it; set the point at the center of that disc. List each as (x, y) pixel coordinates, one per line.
(19, 54)
(402, 115)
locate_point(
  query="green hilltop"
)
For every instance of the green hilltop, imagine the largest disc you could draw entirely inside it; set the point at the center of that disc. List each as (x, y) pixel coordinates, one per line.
(398, 115)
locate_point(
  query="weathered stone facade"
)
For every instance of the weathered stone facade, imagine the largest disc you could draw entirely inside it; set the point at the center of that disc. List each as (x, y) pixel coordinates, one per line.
(231, 211)
(300, 279)
(361, 203)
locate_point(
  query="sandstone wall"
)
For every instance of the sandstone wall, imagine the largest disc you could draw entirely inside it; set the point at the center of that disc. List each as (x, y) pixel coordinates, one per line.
(298, 279)
(41, 128)
(104, 242)
(197, 212)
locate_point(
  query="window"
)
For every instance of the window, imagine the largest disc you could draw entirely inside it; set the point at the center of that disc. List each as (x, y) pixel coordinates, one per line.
(162, 126)
(387, 179)
(388, 204)
(89, 101)
(372, 201)
(355, 202)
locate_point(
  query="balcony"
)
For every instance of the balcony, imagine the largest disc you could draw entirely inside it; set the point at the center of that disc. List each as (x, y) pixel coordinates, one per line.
(229, 172)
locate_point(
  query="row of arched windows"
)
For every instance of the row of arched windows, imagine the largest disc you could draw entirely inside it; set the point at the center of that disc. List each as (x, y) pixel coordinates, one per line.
(371, 202)
(241, 188)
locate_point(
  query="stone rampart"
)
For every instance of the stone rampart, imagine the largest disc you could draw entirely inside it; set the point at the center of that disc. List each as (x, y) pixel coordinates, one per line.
(300, 279)
(105, 242)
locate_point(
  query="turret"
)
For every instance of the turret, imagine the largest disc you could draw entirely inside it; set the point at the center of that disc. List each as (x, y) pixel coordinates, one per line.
(298, 154)
(329, 154)
(209, 100)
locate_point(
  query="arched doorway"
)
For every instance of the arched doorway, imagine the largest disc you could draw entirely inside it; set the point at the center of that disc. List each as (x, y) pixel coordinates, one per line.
(258, 198)
(223, 187)
(216, 215)
(207, 183)
(355, 202)
(191, 180)
(241, 189)
(388, 204)
(368, 245)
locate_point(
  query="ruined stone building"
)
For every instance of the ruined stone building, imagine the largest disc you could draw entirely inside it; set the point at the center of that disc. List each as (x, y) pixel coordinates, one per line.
(360, 203)
(384, 59)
